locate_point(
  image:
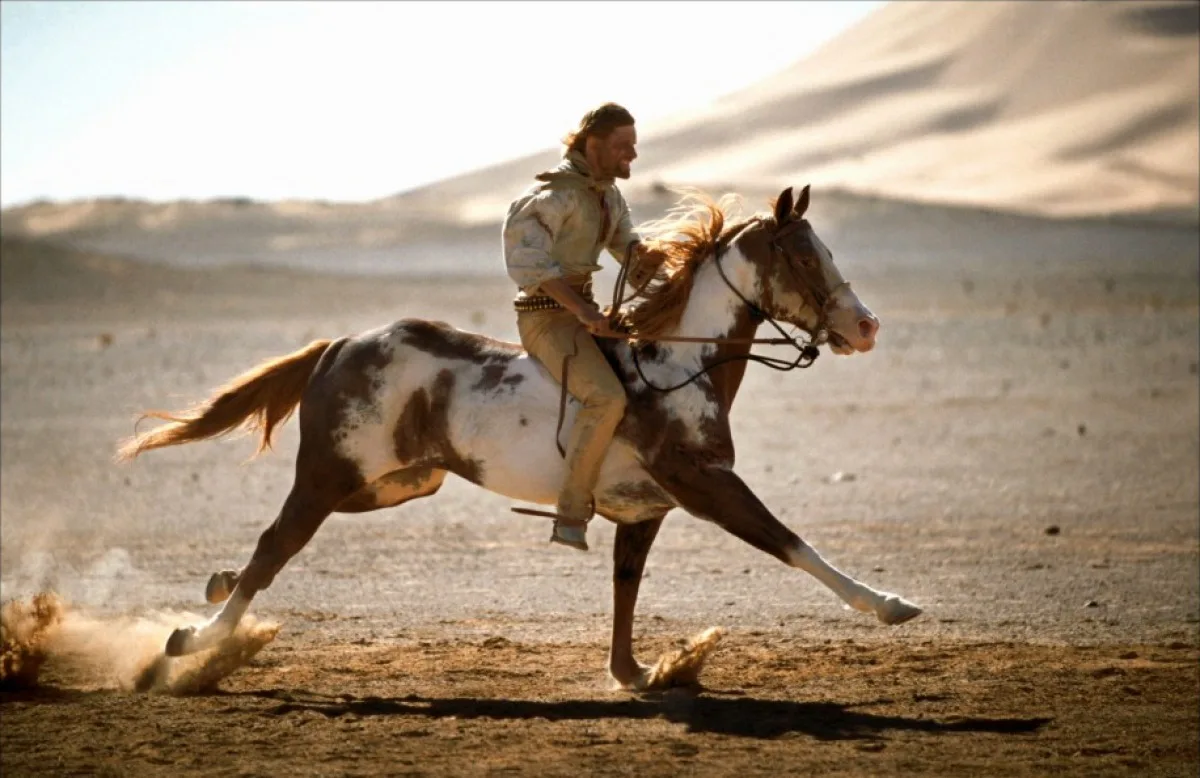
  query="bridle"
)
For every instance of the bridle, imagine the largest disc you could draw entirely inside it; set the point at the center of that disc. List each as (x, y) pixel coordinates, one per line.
(807, 352)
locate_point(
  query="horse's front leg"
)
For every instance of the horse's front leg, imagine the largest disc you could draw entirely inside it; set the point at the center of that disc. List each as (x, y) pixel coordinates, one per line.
(719, 495)
(630, 549)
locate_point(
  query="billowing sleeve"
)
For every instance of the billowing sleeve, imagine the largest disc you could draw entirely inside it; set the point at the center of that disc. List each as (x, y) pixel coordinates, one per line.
(624, 233)
(530, 229)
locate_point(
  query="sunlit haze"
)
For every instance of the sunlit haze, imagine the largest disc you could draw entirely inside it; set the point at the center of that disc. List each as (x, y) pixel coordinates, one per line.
(352, 101)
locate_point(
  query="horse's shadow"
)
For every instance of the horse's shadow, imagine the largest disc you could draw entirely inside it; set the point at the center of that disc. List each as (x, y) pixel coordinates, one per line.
(726, 715)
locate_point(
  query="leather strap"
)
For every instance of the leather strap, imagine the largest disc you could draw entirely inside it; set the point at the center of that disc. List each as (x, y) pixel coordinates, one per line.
(562, 405)
(559, 518)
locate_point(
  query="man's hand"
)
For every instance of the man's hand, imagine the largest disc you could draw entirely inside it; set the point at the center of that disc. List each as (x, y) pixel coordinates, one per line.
(649, 257)
(587, 312)
(645, 263)
(597, 324)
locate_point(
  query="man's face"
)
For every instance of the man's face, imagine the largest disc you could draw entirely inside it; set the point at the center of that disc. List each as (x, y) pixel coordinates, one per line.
(613, 155)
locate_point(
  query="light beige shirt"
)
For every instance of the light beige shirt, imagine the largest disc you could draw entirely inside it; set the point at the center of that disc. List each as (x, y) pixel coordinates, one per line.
(557, 228)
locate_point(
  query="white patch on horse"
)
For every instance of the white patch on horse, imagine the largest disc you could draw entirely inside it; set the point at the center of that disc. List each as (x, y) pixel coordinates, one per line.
(711, 312)
(373, 420)
(512, 434)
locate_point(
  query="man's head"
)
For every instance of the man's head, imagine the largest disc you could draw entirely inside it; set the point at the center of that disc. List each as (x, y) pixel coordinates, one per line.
(607, 138)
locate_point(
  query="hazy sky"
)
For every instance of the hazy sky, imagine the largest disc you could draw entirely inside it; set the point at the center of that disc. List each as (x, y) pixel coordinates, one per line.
(351, 100)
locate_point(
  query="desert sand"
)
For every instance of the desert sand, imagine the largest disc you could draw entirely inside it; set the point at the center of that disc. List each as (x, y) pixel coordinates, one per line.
(1019, 456)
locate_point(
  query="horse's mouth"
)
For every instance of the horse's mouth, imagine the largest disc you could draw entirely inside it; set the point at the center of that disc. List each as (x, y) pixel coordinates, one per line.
(842, 346)
(839, 345)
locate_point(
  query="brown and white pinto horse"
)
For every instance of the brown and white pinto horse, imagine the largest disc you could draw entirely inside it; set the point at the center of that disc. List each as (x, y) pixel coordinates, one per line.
(386, 414)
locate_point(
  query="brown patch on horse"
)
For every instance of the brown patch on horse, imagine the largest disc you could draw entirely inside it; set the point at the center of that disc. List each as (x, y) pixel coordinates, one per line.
(354, 374)
(347, 371)
(490, 379)
(260, 400)
(439, 339)
(422, 434)
(495, 375)
(645, 493)
(393, 489)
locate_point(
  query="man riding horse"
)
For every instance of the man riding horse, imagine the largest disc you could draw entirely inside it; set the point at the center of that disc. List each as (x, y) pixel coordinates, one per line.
(387, 414)
(553, 235)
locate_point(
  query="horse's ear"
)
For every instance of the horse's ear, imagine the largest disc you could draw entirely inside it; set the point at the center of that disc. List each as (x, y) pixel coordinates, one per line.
(802, 203)
(783, 206)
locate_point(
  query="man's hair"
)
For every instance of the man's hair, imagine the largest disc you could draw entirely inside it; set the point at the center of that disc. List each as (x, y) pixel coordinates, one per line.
(599, 122)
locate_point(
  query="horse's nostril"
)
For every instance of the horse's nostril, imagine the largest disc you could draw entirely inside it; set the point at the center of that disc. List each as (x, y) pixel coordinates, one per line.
(867, 327)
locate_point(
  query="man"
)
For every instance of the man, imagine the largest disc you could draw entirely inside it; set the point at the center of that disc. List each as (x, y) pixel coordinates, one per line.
(553, 235)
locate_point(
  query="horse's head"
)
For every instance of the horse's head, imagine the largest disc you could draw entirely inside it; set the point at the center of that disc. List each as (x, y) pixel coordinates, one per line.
(800, 284)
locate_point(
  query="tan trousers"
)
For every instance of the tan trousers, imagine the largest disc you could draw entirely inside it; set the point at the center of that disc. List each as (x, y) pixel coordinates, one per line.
(549, 336)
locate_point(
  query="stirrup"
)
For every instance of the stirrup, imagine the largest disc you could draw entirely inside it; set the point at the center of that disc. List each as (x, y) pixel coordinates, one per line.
(563, 522)
(572, 534)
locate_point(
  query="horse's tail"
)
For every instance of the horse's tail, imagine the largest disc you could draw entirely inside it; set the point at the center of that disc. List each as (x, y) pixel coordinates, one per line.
(260, 399)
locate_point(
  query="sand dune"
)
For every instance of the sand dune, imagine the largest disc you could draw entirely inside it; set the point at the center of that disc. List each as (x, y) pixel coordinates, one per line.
(1057, 109)
(1061, 109)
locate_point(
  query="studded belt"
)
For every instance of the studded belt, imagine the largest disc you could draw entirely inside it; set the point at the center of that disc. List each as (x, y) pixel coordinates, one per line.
(544, 302)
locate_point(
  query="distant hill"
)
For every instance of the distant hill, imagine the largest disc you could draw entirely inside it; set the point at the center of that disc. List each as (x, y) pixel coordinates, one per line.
(1057, 108)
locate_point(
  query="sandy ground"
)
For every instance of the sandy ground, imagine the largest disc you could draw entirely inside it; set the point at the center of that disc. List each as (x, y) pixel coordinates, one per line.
(1020, 456)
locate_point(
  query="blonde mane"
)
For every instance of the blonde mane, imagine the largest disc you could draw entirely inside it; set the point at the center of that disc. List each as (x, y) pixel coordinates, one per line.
(689, 232)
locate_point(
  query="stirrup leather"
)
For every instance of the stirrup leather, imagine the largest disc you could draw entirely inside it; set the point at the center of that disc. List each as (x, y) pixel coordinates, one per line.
(558, 518)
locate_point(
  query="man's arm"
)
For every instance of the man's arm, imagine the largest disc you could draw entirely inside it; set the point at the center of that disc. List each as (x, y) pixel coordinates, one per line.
(588, 313)
(529, 232)
(644, 263)
(530, 228)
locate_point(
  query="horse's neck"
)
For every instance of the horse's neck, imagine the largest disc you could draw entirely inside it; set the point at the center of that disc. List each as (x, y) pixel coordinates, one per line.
(714, 310)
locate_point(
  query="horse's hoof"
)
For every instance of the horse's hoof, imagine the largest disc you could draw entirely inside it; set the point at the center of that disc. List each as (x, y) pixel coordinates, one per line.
(179, 644)
(220, 586)
(897, 610)
(629, 679)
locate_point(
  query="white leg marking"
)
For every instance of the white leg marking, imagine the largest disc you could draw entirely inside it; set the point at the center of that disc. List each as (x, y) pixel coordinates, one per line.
(189, 640)
(888, 608)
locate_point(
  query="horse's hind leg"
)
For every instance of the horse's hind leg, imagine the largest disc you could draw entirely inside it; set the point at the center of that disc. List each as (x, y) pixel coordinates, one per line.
(305, 508)
(395, 488)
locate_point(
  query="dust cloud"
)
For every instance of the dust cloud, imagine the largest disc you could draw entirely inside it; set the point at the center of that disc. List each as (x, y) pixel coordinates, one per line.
(123, 652)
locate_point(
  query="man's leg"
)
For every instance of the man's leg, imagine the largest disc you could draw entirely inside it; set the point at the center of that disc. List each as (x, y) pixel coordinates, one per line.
(549, 336)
